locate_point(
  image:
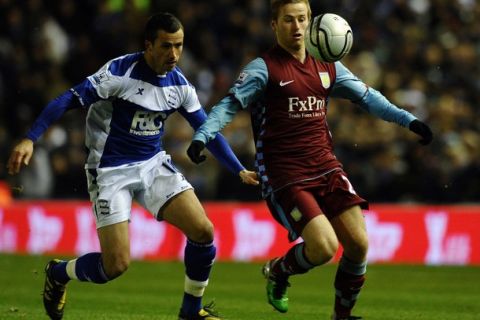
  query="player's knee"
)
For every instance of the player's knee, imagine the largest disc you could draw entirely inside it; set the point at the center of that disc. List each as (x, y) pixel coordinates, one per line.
(203, 232)
(116, 266)
(357, 250)
(321, 250)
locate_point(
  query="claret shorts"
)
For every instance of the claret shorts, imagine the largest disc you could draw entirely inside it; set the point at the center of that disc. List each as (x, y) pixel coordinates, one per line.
(295, 205)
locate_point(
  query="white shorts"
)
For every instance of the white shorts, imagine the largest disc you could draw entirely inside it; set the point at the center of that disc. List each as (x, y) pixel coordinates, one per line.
(151, 183)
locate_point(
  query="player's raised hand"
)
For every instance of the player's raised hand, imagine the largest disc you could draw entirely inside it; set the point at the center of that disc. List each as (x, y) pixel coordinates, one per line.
(249, 177)
(21, 155)
(422, 130)
(194, 151)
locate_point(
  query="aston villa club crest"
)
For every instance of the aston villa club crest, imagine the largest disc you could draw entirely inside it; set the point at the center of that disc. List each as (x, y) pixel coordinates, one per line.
(324, 79)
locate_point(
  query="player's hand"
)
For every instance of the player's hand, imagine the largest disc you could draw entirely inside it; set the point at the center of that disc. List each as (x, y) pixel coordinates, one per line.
(21, 155)
(422, 130)
(249, 177)
(194, 151)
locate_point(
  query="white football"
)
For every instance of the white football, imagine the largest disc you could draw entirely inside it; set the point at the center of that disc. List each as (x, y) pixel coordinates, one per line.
(328, 37)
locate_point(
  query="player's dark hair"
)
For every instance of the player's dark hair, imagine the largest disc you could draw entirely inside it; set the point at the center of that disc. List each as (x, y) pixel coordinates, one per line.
(161, 21)
(275, 6)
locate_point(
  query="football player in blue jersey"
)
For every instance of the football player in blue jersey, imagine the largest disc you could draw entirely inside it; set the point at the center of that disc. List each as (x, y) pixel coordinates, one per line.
(128, 101)
(303, 182)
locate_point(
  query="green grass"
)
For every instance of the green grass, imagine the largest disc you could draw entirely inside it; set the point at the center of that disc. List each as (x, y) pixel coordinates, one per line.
(153, 290)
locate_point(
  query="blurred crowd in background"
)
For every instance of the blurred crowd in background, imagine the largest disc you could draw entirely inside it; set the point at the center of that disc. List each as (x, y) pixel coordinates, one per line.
(424, 55)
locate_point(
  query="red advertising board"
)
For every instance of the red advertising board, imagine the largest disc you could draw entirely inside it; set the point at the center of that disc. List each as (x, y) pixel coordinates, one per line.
(416, 234)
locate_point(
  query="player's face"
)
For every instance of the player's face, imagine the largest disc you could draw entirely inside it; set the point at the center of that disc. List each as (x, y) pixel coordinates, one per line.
(290, 26)
(163, 54)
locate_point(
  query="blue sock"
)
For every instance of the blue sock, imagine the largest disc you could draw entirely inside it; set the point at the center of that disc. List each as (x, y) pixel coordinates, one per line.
(191, 304)
(59, 272)
(198, 263)
(89, 267)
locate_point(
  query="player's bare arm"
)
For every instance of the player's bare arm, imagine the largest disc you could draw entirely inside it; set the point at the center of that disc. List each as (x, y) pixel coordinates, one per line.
(21, 155)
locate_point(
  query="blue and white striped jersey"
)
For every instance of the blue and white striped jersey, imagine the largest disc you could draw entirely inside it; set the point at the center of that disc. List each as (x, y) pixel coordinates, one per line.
(125, 120)
(128, 104)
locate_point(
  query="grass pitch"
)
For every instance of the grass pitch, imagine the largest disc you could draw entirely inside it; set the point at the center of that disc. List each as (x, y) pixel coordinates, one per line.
(153, 290)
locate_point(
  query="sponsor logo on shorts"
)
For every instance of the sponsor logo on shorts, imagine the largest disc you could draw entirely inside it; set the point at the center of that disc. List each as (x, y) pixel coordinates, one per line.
(103, 206)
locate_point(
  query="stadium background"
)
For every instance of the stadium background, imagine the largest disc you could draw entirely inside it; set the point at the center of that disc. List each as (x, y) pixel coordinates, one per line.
(423, 54)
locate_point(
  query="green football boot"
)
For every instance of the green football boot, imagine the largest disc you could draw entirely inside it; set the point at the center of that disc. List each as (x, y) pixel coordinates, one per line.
(276, 288)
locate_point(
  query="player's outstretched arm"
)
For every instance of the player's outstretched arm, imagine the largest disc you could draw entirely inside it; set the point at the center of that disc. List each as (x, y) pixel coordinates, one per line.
(20, 156)
(208, 136)
(195, 150)
(22, 153)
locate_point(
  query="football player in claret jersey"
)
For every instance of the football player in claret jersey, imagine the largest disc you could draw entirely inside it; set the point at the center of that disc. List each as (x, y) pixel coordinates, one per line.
(303, 182)
(128, 101)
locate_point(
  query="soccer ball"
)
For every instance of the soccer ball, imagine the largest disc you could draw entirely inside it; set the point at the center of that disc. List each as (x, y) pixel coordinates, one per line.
(328, 37)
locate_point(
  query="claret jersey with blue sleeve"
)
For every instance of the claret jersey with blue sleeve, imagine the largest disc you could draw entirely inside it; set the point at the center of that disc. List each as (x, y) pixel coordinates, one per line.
(288, 102)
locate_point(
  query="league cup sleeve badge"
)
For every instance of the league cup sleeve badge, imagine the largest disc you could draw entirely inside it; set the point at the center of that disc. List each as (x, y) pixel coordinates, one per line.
(241, 78)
